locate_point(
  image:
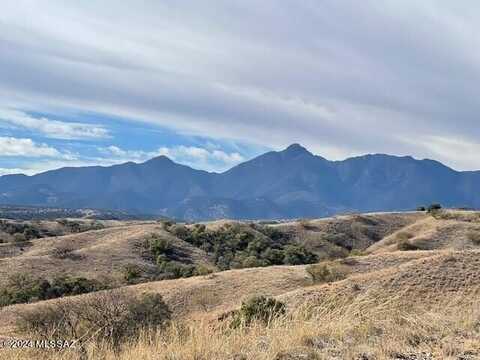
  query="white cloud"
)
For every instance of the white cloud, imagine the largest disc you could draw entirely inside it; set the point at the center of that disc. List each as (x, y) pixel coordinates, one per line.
(53, 128)
(9, 171)
(197, 157)
(375, 71)
(458, 152)
(10, 146)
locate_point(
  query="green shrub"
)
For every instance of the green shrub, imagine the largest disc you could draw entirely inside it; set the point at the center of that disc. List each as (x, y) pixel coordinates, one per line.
(297, 255)
(201, 270)
(237, 246)
(175, 270)
(159, 246)
(132, 273)
(258, 308)
(23, 288)
(327, 273)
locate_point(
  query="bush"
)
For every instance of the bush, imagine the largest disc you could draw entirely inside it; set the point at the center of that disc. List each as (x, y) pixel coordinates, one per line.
(113, 316)
(159, 246)
(298, 255)
(434, 207)
(175, 270)
(404, 236)
(405, 245)
(65, 252)
(258, 308)
(23, 288)
(131, 273)
(327, 273)
(238, 246)
(180, 231)
(421, 208)
(19, 238)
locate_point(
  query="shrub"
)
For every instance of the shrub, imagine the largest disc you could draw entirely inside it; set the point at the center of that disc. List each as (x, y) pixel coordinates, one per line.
(113, 316)
(131, 273)
(405, 245)
(421, 208)
(327, 273)
(19, 238)
(159, 246)
(258, 308)
(434, 207)
(404, 236)
(237, 246)
(23, 288)
(64, 252)
(203, 270)
(180, 231)
(175, 270)
(297, 255)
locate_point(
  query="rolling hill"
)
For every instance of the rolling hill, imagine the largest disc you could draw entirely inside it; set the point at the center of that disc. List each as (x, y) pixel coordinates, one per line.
(389, 303)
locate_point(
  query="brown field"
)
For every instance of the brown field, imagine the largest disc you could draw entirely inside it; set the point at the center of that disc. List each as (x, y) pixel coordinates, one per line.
(388, 304)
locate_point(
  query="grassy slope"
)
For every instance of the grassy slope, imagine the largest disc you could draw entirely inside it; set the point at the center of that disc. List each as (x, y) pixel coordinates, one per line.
(406, 301)
(103, 253)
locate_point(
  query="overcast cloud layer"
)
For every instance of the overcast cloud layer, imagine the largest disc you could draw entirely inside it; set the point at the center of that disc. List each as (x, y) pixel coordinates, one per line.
(341, 77)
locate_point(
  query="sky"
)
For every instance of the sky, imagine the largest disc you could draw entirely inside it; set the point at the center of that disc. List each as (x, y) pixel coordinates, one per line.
(212, 84)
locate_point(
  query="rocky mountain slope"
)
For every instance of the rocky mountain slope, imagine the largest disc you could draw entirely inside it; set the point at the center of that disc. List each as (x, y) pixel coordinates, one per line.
(292, 183)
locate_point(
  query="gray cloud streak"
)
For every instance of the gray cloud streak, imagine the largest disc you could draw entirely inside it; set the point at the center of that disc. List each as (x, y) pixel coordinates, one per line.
(343, 78)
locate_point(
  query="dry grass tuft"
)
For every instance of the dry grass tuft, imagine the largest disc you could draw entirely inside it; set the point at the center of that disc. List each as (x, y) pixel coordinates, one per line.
(331, 331)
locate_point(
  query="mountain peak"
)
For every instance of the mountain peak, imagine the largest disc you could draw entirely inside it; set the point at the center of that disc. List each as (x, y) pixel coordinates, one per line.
(296, 149)
(160, 159)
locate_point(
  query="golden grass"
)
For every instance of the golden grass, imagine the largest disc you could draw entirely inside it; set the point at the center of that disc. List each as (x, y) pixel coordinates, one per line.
(103, 253)
(332, 330)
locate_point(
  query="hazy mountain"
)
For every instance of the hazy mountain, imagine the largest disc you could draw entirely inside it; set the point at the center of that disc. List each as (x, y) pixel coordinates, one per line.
(287, 184)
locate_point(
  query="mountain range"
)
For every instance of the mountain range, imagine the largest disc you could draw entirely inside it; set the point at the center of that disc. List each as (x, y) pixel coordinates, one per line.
(292, 183)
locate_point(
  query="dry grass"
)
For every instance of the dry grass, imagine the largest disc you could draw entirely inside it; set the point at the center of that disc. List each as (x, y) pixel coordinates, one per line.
(103, 253)
(330, 237)
(333, 331)
(456, 230)
(391, 305)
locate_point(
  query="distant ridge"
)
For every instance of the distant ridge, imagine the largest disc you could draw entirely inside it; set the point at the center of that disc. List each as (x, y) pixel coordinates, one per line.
(291, 183)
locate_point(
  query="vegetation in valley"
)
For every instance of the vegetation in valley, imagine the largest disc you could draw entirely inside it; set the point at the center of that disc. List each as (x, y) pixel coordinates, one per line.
(24, 288)
(238, 246)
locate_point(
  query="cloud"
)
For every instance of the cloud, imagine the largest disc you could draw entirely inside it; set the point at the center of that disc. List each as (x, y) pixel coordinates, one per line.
(9, 171)
(196, 157)
(53, 128)
(10, 146)
(343, 78)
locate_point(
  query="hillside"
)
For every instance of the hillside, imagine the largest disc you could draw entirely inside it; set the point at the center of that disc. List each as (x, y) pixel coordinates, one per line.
(384, 301)
(98, 254)
(106, 253)
(292, 183)
(391, 306)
